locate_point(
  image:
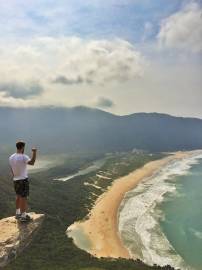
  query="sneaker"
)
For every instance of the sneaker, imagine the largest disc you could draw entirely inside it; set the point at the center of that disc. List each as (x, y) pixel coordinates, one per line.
(27, 218)
(17, 216)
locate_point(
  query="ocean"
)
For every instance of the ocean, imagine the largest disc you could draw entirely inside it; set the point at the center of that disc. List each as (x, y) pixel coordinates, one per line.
(161, 219)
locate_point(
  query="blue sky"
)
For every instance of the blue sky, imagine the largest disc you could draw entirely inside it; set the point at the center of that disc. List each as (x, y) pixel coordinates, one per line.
(122, 56)
(95, 19)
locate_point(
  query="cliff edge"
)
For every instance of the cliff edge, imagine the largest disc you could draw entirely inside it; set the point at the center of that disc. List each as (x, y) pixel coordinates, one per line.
(15, 236)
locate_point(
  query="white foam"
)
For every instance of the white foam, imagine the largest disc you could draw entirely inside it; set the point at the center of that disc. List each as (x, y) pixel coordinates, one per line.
(139, 219)
(95, 166)
(196, 233)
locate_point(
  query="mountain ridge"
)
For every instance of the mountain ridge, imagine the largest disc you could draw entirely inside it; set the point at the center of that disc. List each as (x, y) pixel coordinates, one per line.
(83, 108)
(56, 129)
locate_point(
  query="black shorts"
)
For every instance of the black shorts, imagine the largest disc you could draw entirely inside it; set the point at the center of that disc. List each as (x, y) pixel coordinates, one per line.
(22, 187)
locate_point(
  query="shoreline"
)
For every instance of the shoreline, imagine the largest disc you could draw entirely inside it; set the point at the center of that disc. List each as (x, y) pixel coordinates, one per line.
(100, 229)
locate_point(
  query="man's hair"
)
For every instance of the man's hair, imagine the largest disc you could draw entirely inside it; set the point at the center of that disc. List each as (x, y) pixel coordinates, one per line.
(20, 145)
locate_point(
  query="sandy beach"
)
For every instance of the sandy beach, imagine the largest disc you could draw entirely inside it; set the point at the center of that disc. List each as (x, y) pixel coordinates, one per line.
(101, 227)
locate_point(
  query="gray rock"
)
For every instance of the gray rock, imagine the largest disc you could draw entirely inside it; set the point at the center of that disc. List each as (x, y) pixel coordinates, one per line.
(15, 236)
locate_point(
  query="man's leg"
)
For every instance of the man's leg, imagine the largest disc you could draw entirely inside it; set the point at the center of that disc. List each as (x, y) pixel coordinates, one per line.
(17, 202)
(23, 204)
(18, 205)
(23, 207)
(23, 201)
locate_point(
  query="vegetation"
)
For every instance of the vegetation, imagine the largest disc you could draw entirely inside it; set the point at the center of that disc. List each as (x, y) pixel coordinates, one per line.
(61, 130)
(63, 203)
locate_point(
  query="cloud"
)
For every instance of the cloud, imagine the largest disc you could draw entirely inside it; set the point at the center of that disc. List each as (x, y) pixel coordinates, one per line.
(22, 91)
(104, 102)
(64, 80)
(183, 30)
(71, 60)
(99, 61)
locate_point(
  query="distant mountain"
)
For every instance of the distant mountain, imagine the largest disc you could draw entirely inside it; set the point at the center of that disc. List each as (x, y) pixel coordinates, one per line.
(85, 129)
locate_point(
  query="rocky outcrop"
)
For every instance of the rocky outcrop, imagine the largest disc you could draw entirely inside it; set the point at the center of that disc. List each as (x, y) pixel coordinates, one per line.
(15, 236)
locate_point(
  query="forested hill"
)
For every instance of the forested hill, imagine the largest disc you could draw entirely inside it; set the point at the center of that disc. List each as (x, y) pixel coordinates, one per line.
(86, 129)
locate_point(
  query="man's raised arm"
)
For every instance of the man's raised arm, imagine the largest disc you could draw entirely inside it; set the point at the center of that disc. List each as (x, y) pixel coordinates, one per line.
(33, 158)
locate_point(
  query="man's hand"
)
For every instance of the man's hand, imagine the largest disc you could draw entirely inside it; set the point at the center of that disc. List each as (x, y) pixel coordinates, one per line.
(34, 149)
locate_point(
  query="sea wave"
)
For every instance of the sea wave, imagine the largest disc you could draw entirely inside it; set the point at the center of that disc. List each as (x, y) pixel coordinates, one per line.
(139, 217)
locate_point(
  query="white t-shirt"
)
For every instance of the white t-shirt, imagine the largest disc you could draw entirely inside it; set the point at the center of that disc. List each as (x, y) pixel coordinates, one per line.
(18, 163)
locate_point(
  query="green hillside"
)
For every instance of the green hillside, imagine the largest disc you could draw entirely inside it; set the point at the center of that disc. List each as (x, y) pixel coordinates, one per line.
(63, 203)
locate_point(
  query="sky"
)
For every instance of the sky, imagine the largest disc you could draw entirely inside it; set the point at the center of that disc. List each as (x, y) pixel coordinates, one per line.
(121, 56)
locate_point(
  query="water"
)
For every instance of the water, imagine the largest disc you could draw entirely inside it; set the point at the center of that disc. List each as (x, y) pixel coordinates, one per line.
(79, 237)
(161, 219)
(182, 223)
(94, 167)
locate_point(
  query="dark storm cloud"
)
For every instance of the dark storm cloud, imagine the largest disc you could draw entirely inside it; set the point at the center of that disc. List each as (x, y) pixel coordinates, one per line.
(18, 90)
(66, 81)
(104, 102)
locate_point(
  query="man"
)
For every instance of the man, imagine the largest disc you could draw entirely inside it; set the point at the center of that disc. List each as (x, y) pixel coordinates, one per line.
(18, 163)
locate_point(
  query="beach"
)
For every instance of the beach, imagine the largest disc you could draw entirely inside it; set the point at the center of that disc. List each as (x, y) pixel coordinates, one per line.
(101, 226)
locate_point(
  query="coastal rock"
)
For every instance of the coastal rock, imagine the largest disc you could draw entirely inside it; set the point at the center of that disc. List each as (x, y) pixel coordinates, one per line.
(15, 236)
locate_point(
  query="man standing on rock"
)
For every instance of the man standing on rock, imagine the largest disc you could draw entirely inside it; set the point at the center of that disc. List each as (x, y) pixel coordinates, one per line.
(18, 162)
